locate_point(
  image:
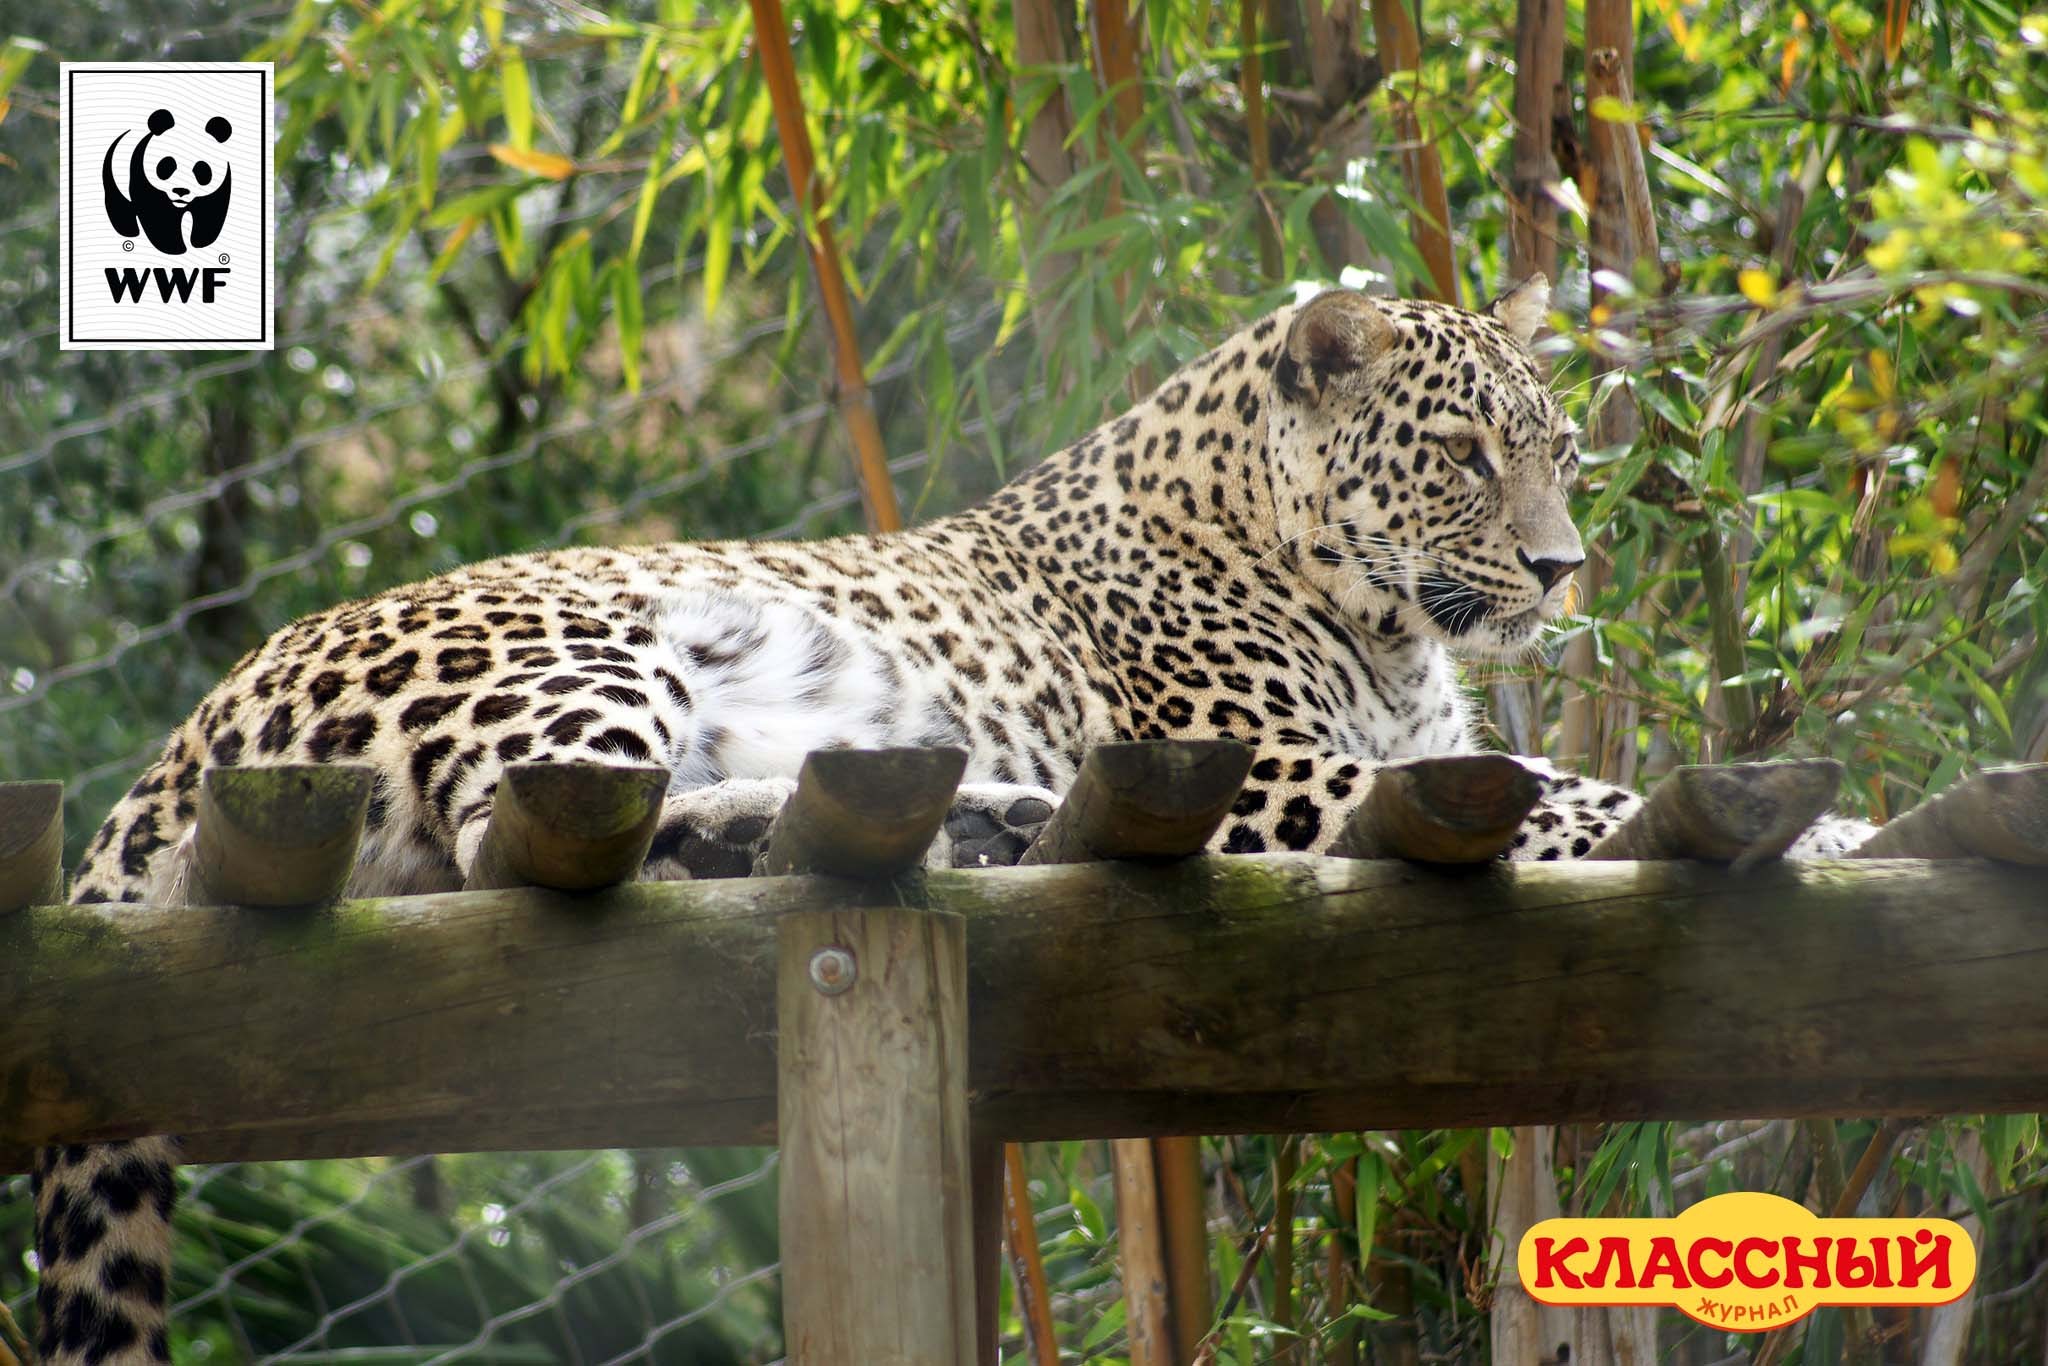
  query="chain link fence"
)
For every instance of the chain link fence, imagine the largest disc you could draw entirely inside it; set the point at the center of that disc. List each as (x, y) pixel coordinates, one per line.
(159, 513)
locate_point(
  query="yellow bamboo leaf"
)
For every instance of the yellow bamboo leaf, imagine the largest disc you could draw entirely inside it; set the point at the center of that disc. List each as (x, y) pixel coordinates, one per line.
(546, 165)
(452, 248)
(1896, 13)
(1758, 287)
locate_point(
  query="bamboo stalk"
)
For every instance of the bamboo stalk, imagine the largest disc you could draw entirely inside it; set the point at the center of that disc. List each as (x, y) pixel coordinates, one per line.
(1337, 1275)
(1184, 1224)
(1046, 35)
(1116, 63)
(1622, 232)
(1430, 224)
(1027, 1265)
(1286, 1161)
(1724, 615)
(1147, 1317)
(1115, 42)
(856, 409)
(1539, 70)
(1251, 84)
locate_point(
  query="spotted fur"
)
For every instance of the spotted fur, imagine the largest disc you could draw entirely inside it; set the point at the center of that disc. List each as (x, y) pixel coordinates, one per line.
(1287, 544)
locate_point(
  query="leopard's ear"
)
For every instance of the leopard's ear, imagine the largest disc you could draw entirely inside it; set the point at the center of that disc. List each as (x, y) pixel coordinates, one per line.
(1522, 309)
(1333, 337)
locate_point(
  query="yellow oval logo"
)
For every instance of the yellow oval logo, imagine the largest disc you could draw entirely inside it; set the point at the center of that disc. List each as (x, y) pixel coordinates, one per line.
(1747, 1262)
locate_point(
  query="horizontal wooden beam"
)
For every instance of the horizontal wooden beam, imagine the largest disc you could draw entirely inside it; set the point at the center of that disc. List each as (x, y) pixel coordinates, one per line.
(1268, 993)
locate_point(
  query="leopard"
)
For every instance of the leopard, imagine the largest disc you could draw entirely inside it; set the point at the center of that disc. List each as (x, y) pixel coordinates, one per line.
(1295, 542)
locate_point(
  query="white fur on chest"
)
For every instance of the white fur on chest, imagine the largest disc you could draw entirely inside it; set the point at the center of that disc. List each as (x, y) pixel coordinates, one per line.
(1419, 707)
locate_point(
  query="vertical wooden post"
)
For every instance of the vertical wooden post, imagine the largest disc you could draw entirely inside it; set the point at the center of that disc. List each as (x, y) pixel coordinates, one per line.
(877, 1225)
(31, 845)
(985, 1157)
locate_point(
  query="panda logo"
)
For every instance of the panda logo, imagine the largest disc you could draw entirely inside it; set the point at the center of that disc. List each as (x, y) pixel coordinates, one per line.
(169, 176)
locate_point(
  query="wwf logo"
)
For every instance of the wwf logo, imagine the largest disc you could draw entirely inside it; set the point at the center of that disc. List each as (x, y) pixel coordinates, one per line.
(170, 180)
(167, 216)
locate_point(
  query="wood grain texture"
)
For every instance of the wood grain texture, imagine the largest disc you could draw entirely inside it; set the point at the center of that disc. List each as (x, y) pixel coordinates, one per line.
(574, 827)
(1460, 808)
(985, 1158)
(2001, 813)
(1154, 799)
(31, 845)
(877, 1191)
(279, 836)
(863, 813)
(1215, 995)
(1729, 813)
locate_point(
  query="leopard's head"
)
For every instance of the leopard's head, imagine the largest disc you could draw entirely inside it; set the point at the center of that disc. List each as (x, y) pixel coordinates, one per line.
(1421, 465)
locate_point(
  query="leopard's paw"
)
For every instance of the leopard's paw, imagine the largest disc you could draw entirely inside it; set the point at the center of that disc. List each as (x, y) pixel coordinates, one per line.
(991, 825)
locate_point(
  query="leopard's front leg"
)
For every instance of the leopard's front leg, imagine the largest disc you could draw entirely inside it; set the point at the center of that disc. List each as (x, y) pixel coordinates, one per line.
(1298, 799)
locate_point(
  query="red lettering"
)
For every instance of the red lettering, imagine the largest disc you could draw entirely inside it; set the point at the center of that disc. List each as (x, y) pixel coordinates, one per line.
(1912, 1265)
(1664, 1263)
(1853, 1272)
(1797, 1261)
(1550, 1268)
(1696, 1258)
(1750, 1277)
(1613, 1250)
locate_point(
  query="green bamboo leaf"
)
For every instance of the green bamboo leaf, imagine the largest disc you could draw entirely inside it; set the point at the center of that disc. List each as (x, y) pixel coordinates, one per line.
(475, 204)
(1109, 1325)
(627, 309)
(427, 136)
(718, 235)
(518, 93)
(1988, 695)
(1372, 1177)
(1624, 477)
(15, 58)
(400, 232)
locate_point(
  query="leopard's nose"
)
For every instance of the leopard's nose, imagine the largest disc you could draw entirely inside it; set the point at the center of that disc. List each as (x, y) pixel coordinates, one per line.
(1548, 571)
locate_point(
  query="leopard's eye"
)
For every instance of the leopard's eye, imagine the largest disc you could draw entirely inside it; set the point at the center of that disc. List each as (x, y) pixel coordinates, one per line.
(1565, 455)
(1466, 451)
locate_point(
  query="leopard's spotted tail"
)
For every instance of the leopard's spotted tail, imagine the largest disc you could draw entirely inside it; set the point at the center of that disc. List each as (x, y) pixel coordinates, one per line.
(103, 1248)
(103, 1210)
